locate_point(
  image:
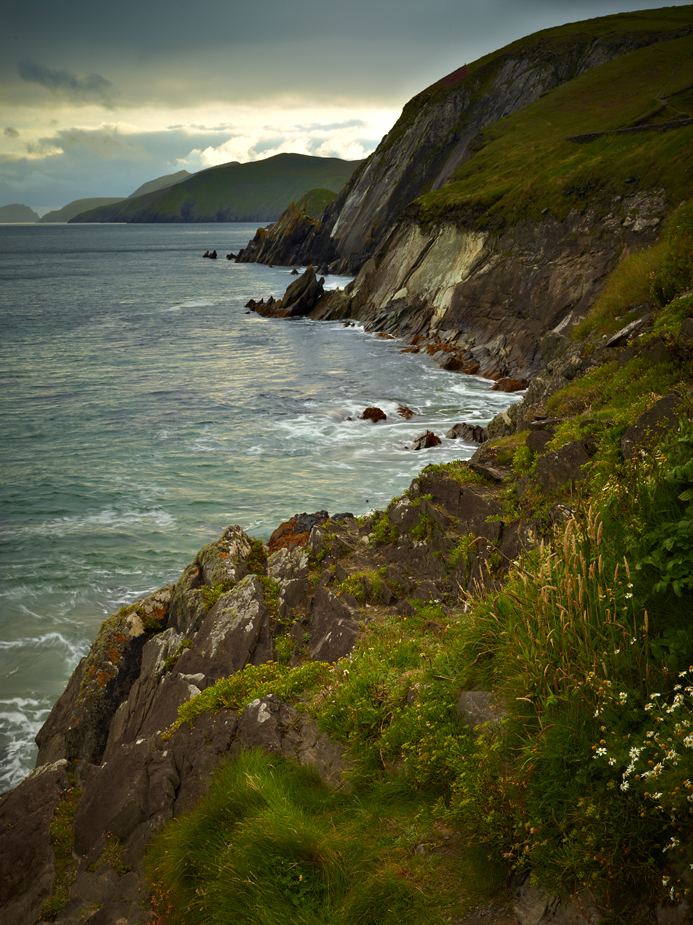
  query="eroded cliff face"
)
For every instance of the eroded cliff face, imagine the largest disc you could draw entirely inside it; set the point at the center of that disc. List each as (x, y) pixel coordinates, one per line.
(488, 300)
(435, 135)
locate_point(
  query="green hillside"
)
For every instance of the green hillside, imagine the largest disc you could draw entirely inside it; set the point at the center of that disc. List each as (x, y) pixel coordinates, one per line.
(535, 159)
(258, 191)
(68, 212)
(151, 186)
(17, 213)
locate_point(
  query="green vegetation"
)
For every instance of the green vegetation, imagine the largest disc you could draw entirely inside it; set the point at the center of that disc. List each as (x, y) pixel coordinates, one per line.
(77, 206)
(527, 164)
(256, 191)
(271, 844)
(315, 201)
(63, 842)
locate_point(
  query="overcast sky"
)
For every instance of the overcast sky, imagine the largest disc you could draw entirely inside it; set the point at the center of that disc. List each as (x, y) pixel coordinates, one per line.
(98, 98)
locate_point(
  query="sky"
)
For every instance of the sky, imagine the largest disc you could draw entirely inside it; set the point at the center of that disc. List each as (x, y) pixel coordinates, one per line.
(96, 98)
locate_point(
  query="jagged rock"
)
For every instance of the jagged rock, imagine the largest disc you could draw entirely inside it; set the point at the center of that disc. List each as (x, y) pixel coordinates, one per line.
(651, 425)
(295, 532)
(302, 295)
(220, 563)
(294, 272)
(489, 472)
(426, 441)
(687, 328)
(405, 412)
(503, 424)
(286, 564)
(26, 855)
(561, 466)
(643, 323)
(333, 627)
(472, 433)
(236, 632)
(517, 539)
(77, 727)
(373, 414)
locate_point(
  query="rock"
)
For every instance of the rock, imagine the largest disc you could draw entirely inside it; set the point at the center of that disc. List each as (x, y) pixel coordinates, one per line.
(503, 424)
(373, 414)
(553, 346)
(652, 425)
(231, 256)
(302, 295)
(561, 466)
(534, 907)
(426, 441)
(687, 328)
(276, 727)
(333, 628)
(78, 725)
(26, 856)
(538, 439)
(643, 323)
(211, 254)
(472, 433)
(478, 707)
(294, 272)
(505, 384)
(405, 412)
(286, 564)
(656, 351)
(236, 632)
(489, 472)
(295, 532)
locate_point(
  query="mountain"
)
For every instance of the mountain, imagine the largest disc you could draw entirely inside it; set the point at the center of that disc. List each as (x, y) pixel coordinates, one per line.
(258, 191)
(17, 213)
(68, 212)
(160, 183)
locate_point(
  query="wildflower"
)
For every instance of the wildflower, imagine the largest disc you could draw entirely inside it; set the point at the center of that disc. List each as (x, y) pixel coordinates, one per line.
(599, 753)
(612, 761)
(625, 785)
(623, 697)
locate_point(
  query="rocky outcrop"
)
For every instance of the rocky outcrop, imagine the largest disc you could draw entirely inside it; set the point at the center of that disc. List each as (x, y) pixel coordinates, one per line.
(300, 298)
(484, 302)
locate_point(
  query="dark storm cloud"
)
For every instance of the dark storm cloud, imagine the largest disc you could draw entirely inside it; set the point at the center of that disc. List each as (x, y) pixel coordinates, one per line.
(330, 50)
(11, 132)
(89, 89)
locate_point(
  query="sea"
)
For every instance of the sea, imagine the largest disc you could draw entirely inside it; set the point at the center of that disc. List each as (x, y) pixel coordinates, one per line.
(143, 409)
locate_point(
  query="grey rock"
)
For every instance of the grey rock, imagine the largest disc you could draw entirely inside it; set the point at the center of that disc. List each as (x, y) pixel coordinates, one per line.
(643, 323)
(333, 627)
(472, 433)
(565, 465)
(652, 425)
(475, 708)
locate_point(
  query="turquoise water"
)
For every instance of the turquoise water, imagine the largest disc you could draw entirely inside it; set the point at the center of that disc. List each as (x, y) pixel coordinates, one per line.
(143, 410)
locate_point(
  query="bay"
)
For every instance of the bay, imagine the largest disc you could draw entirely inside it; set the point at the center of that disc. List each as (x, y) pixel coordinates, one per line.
(143, 410)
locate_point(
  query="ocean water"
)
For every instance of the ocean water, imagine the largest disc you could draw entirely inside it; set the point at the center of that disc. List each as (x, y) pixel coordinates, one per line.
(143, 410)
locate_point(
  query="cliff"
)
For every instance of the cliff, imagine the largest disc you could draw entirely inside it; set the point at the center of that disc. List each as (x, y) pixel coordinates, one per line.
(442, 128)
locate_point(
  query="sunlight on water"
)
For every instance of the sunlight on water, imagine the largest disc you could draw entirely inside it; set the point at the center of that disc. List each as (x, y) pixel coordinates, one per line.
(144, 410)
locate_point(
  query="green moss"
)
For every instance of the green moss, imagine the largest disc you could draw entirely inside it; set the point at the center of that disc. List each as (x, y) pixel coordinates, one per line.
(63, 843)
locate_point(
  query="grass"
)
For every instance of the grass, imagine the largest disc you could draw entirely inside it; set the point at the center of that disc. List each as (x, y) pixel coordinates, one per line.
(256, 191)
(271, 844)
(63, 843)
(527, 164)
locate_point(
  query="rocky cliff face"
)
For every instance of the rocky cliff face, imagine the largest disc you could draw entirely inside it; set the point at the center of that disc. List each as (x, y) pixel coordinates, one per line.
(435, 135)
(482, 302)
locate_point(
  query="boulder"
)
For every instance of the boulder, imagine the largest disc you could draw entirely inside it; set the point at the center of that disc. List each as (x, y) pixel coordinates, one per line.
(295, 532)
(373, 414)
(302, 295)
(643, 323)
(537, 440)
(652, 425)
(333, 627)
(426, 441)
(472, 433)
(506, 384)
(405, 412)
(475, 708)
(561, 466)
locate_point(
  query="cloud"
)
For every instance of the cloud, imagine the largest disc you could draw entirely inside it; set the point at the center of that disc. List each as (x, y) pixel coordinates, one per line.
(92, 88)
(11, 132)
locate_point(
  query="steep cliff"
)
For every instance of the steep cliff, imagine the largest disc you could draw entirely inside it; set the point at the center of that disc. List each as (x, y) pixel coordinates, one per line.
(439, 131)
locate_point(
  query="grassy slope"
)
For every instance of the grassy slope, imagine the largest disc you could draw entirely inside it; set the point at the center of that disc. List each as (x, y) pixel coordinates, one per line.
(527, 164)
(258, 191)
(587, 645)
(77, 206)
